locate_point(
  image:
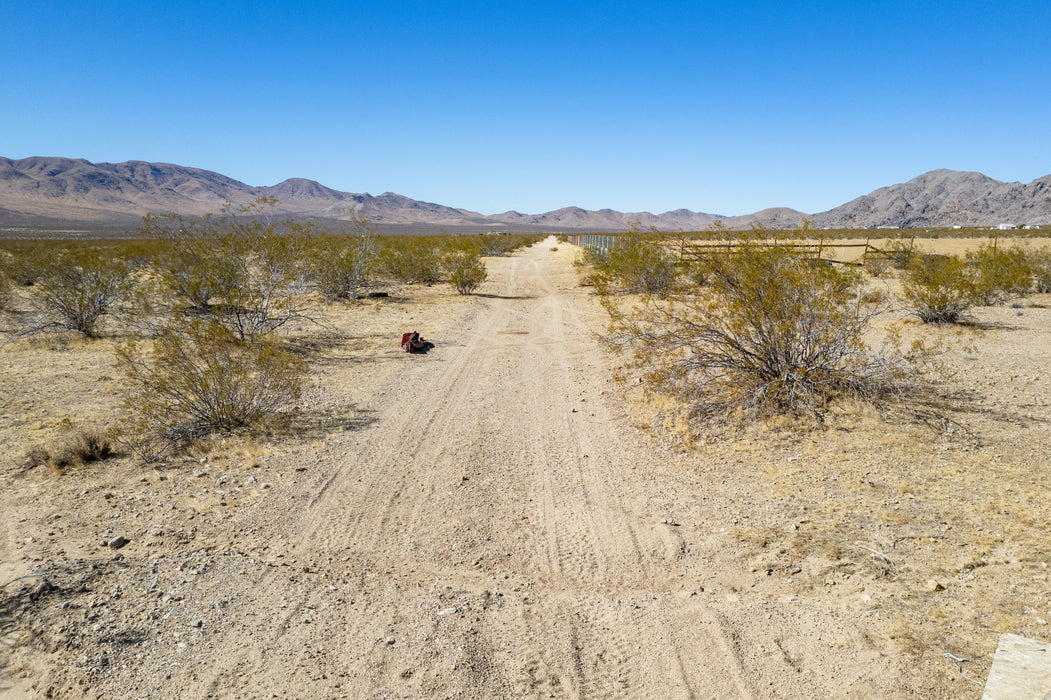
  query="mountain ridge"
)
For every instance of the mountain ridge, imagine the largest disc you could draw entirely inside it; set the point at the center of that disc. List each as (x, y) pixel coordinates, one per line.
(57, 190)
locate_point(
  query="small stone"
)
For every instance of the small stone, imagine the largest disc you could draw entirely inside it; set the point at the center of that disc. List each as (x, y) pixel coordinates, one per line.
(196, 623)
(794, 570)
(391, 641)
(933, 585)
(250, 480)
(41, 588)
(117, 542)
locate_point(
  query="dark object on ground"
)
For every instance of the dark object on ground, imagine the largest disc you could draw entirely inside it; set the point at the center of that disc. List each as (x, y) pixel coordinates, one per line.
(377, 295)
(412, 342)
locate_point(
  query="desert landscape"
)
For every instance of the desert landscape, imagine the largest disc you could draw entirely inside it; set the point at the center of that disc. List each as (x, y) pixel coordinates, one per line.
(499, 517)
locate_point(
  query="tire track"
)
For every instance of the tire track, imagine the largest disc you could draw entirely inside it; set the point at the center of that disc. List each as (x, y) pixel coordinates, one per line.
(486, 468)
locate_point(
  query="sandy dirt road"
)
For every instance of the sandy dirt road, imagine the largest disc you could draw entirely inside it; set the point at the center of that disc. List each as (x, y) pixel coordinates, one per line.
(484, 536)
(484, 520)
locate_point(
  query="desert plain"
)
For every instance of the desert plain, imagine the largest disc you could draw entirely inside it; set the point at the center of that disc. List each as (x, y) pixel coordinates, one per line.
(498, 517)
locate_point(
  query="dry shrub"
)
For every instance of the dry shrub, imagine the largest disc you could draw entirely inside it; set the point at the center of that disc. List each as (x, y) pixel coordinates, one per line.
(940, 288)
(5, 288)
(466, 270)
(773, 333)
(1000, 274)
(1040, 265)
(636, 263)
(80, 447)
(202, 378)
(412, 259)
(342, 266)
(493, 245)
(76, 288)
(244, 270)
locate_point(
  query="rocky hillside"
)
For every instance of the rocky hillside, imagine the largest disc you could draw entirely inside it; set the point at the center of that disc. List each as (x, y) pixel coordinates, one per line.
(946, 198)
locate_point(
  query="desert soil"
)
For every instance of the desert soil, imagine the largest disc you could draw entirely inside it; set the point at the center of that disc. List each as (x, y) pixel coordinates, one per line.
(499, 518)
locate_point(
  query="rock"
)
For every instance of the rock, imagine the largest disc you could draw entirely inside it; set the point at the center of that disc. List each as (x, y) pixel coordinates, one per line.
(391, 641)
(41, 588)
(794, 570)
(117, 542)
(250, 480)
(196, 623)
(933, 585)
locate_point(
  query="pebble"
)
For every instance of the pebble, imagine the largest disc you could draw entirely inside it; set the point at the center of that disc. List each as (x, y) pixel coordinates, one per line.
(933, 585)
(117, 542)
(390, 641)
(196, 623)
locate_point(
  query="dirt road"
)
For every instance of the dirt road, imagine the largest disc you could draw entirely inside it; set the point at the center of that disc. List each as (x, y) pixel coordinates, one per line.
(484, 520)
(484, 536)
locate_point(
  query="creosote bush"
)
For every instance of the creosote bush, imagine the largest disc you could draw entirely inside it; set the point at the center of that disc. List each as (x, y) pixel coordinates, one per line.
(342, 266)
(772, 333)
(636, 263)
(940, 288)
(466, 270)
(412, 259)
(244, 270)
(1040, 260)
(76, 288)
(200, 377)
(1000, 274)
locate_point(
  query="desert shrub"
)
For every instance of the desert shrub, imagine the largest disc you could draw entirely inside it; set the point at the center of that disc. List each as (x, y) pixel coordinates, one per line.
(466, 271)
(5, 287)
(199, 378)
(412, 259)
(1040, 261)
(25, 260)
(636, 263)
(78, 448)
(771, 333)
(495, 245)
(1000, 274)
(194, 268)
(939, 288)
(342, 266)
(76, 289)
(901, 254)
(876, 264)
(249, 273)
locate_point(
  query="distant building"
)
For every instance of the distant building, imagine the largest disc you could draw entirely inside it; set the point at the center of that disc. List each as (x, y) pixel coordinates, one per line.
(1006, 227)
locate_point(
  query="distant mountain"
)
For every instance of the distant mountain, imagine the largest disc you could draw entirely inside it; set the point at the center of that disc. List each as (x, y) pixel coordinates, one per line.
(58, 192)
(946, 198)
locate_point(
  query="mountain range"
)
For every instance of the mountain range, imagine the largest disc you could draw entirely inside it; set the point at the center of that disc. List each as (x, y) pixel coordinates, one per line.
(50, 193)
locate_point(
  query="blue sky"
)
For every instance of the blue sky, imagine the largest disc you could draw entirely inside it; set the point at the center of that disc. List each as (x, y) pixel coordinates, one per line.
(716, 107)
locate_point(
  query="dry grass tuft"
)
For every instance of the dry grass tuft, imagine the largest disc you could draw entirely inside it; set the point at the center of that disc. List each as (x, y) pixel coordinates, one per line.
(77, 448)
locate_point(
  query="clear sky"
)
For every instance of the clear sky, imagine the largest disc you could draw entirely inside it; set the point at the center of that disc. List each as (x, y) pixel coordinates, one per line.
(724, 108)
